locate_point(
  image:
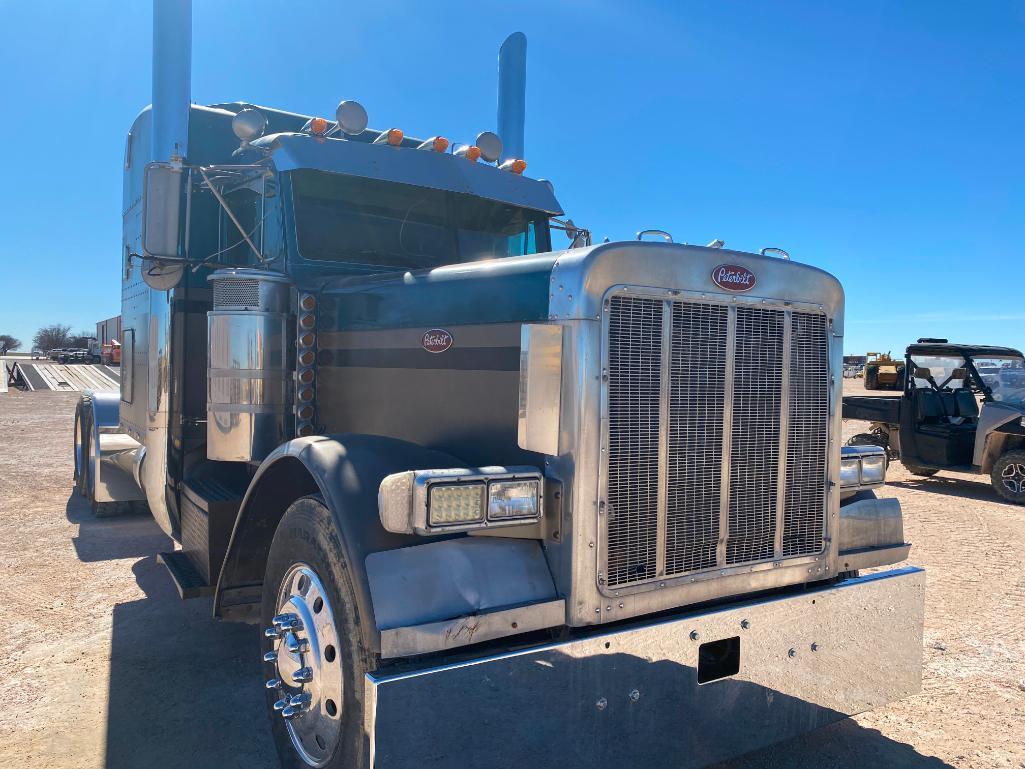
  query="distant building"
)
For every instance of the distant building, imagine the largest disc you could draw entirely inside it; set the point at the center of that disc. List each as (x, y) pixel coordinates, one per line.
(855, 360)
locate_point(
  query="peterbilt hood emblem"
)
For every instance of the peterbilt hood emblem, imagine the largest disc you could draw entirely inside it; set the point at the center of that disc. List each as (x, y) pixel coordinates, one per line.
(732, 277)
(436, 340)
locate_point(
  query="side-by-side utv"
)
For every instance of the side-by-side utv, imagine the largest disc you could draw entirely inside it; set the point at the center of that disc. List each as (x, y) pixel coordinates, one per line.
(963, 409)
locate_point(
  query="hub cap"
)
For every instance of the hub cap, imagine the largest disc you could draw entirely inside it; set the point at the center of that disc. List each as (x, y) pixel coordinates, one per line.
(1013, 477)
(306, 665)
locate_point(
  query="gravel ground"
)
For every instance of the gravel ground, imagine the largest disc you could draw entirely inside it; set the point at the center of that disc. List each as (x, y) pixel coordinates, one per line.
(110, 668)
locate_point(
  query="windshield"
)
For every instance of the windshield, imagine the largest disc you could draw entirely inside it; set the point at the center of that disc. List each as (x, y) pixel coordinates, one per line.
(365, 221)
(1005, 378)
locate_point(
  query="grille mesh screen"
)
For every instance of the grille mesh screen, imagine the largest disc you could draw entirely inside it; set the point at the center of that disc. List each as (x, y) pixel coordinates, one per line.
(236, 292)
(697, 400)
(754, 463)
(635, 381)
(806, 441)
(698, 415)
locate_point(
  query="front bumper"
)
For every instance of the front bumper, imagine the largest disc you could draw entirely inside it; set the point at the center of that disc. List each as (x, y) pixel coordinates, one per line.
(632, 697)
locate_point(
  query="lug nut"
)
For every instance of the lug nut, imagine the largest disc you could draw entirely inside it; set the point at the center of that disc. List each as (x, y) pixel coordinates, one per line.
(274, 683)
(294, 644)
(287, 622)
(280, 705)
(270, 657)
(303, 675)
(301, 701)
(291, 712)
(272, 632)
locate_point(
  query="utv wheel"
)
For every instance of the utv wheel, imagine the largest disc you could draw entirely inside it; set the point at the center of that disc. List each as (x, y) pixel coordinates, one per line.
(314, 656)
(925, 472)
(1008, 476)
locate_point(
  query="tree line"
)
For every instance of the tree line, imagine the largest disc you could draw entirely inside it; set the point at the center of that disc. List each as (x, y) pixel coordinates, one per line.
(52, 337)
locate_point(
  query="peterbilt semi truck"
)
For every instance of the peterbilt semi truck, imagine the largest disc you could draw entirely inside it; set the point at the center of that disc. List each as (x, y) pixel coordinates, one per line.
(486, 501)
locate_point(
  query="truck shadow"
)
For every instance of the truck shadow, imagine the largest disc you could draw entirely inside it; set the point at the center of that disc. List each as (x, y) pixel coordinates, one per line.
(184, 689)
(981, 491)
(110, 539)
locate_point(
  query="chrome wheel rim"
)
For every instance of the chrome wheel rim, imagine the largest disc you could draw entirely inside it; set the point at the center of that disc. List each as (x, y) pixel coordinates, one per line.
(1013, 477)
(307, 665)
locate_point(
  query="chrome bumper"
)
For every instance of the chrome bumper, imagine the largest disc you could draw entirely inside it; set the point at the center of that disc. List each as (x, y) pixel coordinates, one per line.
(632, 697)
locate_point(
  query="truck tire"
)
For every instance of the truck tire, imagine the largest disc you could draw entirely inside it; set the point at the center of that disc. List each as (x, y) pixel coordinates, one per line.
(314, 655)
(925, 472)
(871, 379)
(1008, 476)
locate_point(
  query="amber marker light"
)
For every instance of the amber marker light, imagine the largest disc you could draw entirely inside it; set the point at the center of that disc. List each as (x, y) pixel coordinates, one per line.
(307, 358)
(307, 321)
(306, 376)
(306, 412)
(306, 394)
(469, 151)
(308, 302)
(307, 340)
(318, 125)
(515, 165)
(392, 136)
(305, 430)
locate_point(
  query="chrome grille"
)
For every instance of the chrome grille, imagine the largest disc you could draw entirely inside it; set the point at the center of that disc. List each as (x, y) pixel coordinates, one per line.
(716, 438)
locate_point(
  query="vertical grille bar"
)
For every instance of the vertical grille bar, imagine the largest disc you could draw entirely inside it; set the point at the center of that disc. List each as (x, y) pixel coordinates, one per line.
(634, 395)
(754, 452)
(784, 435)
(805, 500)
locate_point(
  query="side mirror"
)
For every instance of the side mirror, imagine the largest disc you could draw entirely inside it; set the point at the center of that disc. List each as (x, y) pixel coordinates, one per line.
(161, 211)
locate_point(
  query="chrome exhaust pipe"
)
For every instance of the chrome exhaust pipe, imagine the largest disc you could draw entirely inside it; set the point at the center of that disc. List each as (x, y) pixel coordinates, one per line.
(512, 95)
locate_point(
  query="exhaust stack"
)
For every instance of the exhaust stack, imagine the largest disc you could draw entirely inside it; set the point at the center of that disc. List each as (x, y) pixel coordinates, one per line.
(172, 78)
(512, 94)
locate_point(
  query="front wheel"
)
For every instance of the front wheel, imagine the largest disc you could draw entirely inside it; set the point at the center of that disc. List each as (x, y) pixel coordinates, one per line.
(1008, 476)
(314, 654)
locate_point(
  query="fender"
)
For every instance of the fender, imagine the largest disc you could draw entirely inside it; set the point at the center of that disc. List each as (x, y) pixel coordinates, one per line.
(346, 470)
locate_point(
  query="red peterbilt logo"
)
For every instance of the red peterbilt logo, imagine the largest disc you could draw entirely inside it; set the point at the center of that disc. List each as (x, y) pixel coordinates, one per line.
(731, 277)
(436, 340)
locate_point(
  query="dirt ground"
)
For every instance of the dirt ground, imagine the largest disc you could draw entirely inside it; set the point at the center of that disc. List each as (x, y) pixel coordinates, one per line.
(105, 667)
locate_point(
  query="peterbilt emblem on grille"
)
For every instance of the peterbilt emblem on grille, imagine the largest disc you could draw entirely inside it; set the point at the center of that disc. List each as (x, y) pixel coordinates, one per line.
(732, 277)
(436, 340)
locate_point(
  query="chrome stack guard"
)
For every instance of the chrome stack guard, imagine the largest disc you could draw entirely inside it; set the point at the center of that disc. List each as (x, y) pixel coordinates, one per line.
(632, 696)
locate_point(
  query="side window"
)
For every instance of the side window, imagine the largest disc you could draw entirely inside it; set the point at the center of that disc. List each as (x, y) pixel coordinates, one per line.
(127, 364)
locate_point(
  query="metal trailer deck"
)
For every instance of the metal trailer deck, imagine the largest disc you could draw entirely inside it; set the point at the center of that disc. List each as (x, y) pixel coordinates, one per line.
(67, 378)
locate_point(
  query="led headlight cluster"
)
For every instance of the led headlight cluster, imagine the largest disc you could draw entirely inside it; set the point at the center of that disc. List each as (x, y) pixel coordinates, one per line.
(432, 501)
(862, 466)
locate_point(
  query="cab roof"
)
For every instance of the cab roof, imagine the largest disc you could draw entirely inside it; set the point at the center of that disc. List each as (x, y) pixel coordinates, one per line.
(966, 350)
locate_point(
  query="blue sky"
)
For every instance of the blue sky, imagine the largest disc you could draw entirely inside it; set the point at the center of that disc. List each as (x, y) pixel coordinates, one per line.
(884, 142)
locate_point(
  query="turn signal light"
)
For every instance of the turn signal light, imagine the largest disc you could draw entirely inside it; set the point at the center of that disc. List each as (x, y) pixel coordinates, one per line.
(469, 151)
(318, 125)
(515, 165)
(436, 143)
(392, 136)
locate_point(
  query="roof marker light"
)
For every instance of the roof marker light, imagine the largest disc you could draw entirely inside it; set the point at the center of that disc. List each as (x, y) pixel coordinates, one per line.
(436, 143)
(392, 136)
(515, 165)
(317, 126)
(469, 151)
(351, 117)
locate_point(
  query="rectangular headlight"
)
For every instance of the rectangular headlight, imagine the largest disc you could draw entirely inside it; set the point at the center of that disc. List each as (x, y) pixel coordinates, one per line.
(850, 471)
(453, 504)
(513, 499)
(873, 468)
